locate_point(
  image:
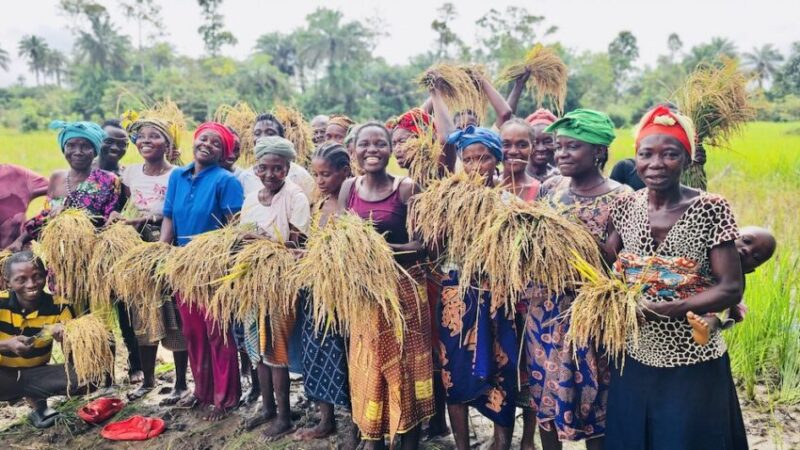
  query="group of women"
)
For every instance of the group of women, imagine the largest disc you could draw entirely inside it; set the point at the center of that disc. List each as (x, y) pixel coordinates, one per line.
(458, 351)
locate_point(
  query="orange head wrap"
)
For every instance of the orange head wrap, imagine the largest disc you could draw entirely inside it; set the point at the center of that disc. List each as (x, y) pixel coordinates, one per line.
(660, 120)
(541, 116)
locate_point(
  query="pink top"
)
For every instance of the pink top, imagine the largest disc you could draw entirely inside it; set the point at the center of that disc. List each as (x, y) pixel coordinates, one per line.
(388, 214)
(19, 187)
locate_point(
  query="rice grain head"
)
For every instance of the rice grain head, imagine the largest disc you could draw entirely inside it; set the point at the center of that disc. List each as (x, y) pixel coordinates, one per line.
(350, 271)
(242, 118)
(4, 255)
(140, 280)
(112, 243)
(458, 87)
(604, 313)
(66, 247)
(87, 343)
(257, 285)
(548, 77)
(193, 270)
(424, 152)
(717, 101)
(524, 243)
(298, 131)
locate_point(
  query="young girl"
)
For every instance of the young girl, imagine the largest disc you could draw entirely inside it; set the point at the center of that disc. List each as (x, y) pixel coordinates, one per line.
(281, 212)
(325, 377)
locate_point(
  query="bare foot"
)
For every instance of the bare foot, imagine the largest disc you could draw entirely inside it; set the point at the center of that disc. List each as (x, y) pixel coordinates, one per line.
(136, 377)
(700, 330)
(321, 431)
(259, 418)
(277, 429)
(216, 414)
(188, 402)
(174, 397)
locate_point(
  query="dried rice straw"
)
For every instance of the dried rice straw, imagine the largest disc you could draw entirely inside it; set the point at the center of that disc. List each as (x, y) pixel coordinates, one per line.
(424, 153)
(66, 247)
(4, 255)
(87, 345)
(112, 243)
(452, 211)
(458, 87)
(548, 74)
(298, 131)
(241, 118)
(168, 111)
(194, 269)
(350, 271)
(523, 243)
(716, 100)
(258, 284)
(604, 313)
(140, 280)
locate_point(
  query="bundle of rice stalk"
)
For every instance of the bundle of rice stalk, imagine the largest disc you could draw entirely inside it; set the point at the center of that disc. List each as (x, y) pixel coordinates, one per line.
(524, 243)
(458, 87)
(241, 118)
(87, 344)
(350, 271)
(112, 243)
(4, 255)
(716, 100)
(604, 313)
(424, 151)
(298, 131)
(140, 280)
(194, 269)
(452, 211)
(168, 111)
(258, 284)
(548, 74)
(695, 176)
(66, 247)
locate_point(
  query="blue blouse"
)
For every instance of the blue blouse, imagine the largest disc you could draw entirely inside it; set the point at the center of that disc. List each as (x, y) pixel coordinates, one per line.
(197, 204)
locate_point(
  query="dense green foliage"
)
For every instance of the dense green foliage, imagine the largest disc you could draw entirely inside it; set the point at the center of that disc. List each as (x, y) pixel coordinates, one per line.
(328, 66)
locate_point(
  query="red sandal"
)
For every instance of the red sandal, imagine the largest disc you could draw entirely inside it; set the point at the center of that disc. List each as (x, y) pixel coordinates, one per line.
(136, 428)
(100, 410)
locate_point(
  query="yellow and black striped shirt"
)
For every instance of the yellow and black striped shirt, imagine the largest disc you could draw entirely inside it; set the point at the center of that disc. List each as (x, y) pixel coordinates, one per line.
(16, 321)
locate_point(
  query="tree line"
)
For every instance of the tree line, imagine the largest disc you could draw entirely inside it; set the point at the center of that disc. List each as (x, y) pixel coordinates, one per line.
(328, 65)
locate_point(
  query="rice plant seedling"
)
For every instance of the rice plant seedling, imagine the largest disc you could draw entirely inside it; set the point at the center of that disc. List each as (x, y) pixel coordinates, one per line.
(139, 279)
(350, 271)
(258, 284)
(548, 74)
(194, 269)
(458, 87)
(453, 211)
(298, 131)
(112, 243)
(604, 312)
(87, 344)
(521, 243)
(66, 247)
(241, 118)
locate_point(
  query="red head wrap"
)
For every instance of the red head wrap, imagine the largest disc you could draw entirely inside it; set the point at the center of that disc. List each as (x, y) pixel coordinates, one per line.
(225, 135)
(415, 121)
(541, 117)
(660, 120)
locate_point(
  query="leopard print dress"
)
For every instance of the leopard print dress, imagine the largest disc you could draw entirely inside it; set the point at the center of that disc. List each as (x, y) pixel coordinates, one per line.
(674, 270)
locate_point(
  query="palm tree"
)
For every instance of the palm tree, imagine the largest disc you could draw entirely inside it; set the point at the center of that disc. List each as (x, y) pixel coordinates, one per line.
(4, 60)
(710, 53)
(104, 47)
(55, 63)
(763, 62)
(34, 49)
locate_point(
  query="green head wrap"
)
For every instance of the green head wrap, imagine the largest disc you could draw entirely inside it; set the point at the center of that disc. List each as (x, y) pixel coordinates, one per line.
(275, 145)
(585, 125)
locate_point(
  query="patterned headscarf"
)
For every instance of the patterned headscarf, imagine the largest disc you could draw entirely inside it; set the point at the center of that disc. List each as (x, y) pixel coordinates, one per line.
(660, 120)
(585, 125)
(275, 145)
(90, 131)
(341, 120)
(225, 135)
(415, 120)
(477, 135)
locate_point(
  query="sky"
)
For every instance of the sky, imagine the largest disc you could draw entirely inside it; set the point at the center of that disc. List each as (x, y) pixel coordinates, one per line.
(582, 24)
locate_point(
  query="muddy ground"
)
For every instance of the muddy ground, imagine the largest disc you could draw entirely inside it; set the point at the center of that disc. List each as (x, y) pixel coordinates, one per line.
(776, 427)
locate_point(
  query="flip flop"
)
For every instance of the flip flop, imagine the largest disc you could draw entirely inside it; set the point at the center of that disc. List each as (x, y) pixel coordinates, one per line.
(136, 428)
(100, 410)
(43, 419)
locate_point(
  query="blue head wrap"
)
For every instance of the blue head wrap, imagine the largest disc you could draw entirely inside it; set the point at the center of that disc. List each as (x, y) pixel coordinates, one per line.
(477, 135)
(90, 131)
